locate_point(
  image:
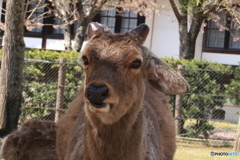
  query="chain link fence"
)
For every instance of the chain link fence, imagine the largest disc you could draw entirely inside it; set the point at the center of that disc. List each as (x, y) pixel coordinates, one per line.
(209, 111)
(49, 88)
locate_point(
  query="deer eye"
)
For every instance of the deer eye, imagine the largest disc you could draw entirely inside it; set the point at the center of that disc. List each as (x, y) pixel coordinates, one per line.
(136, 64)
(85, 60)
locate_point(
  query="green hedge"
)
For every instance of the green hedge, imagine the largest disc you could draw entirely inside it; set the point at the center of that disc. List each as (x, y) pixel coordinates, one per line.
(211, 85)
(214, 73)
(52, 56)
(40, 81)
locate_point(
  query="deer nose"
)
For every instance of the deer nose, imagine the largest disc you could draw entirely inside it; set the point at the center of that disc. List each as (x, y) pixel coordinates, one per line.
(97, 94)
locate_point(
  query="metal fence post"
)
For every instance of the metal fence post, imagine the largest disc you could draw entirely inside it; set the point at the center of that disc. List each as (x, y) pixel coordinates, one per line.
(178, 106)
(60, 89)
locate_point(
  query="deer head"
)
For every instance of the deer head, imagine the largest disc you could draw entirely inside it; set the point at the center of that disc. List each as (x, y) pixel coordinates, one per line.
(116, 69)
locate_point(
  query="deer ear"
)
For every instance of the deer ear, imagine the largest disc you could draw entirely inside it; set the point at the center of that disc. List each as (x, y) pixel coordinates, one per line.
(96, 28)
(142, 31)
(165, 79)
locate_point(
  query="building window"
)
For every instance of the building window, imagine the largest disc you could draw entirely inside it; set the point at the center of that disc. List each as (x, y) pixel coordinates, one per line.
(234, 44)
(129, 21)
(108, 18)
(119, 21)
(218, 114)
(222, 40)
(59, 28)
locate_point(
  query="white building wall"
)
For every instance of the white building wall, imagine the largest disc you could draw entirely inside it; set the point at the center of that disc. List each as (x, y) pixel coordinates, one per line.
(59, 44)
(232, 113)
(163, 39)
(149, 21)
(199, 44)
(55, 44)
(33, 42)
(229, 59)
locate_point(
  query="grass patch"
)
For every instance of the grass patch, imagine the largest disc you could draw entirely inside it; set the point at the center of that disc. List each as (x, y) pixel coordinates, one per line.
(224, 125)
(192, 151)
(216, 124)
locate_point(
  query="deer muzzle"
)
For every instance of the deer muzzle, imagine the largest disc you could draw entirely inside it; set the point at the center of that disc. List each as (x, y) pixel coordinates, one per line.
(96, 96)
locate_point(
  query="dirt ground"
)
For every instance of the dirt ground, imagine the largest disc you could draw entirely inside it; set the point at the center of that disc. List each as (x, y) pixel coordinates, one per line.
(223, 134)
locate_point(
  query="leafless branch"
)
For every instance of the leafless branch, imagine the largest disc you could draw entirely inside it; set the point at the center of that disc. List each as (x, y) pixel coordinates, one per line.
(43, 6)
(39, 2)
(175, 10)
(95, 9)
(41, 16)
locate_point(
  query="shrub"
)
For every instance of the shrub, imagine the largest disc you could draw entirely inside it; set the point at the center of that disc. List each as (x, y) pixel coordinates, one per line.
(51, 55)
(210, 85)
(40, 82)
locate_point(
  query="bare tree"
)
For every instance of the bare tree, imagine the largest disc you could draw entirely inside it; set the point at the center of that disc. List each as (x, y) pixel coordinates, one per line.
(65, 10)
(32, 21)
(12, 67)
(192, 13)
(84, 18)
(70, 11)
(83, 12)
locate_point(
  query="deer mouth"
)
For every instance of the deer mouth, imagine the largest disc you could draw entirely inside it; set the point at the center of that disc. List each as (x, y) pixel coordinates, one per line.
(100, 108)
(99, 105)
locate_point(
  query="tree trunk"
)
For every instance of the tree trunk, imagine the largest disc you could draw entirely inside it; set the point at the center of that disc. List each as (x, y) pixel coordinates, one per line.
(12, 67)
(183, 37)
(84, 19)
(80, 34)
(188, 38)
(67, 37)
(236, 147)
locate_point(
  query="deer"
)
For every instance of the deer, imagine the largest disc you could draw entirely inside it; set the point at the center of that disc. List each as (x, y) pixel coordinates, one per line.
(122, 111)
(35, 140)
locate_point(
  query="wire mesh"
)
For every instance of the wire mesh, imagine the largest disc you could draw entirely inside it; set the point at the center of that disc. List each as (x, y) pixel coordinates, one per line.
(40, 89)
(209, 111)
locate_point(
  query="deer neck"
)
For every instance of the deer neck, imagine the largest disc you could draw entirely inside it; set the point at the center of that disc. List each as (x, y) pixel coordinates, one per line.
(119, 140)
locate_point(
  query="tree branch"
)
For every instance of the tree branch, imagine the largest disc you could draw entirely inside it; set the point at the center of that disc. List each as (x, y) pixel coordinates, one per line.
(39, 2)
(175, 10)
(62, 10)
(212, 8)
(79, 8)
(26, 8)
(96, 8)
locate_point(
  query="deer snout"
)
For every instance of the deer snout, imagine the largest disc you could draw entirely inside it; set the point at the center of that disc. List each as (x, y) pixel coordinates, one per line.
(96, 95)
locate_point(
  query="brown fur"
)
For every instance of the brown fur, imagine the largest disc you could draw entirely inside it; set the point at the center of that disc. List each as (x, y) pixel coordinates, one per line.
(139, 124)
(35, 140)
